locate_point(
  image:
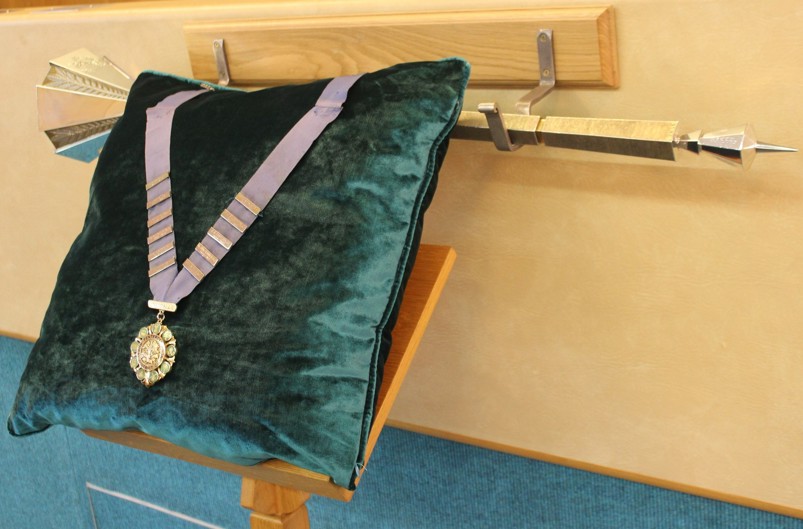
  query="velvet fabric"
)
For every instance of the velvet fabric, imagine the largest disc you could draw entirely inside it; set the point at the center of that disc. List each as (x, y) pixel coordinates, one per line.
(281, 347)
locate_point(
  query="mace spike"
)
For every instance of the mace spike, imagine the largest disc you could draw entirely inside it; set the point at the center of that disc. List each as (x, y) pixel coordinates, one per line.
(768, 147)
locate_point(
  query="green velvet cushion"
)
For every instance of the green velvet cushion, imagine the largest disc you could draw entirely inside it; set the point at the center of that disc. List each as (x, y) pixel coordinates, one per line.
(281, 347)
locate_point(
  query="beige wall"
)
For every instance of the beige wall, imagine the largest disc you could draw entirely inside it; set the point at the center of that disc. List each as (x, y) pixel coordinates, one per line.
(644, 317)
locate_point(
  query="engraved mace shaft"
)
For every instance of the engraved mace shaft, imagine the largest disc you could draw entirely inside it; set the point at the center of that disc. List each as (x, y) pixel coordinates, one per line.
(646, 139)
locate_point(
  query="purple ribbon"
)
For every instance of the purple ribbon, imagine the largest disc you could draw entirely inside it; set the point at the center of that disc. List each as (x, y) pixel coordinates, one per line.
(171, 284)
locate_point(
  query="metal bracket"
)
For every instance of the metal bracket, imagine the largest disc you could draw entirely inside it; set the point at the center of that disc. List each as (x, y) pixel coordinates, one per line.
(546, 62)
(222, 63)
(496, 126)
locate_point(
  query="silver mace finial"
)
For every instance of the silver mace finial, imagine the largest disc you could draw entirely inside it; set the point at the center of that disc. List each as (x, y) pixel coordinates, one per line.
(646, 139)
(737, 145)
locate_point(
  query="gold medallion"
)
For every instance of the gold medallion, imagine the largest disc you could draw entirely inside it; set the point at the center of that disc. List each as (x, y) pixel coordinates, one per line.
(153, 352)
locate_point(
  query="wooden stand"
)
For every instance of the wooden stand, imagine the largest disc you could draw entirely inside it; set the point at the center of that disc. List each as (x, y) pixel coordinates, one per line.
(276, 491)
(274, 507)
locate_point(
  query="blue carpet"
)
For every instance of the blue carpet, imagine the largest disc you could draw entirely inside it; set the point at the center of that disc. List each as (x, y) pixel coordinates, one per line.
(64, 479)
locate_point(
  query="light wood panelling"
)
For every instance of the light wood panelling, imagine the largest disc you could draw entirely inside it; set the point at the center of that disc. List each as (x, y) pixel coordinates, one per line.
(500, 45)
(18, 4)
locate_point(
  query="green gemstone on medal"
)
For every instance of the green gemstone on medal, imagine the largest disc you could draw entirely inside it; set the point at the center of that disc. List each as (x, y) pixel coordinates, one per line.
(164, 368)
(143, 332)
(167, 335)
(134, 363)
(134, 347)
(171, 350)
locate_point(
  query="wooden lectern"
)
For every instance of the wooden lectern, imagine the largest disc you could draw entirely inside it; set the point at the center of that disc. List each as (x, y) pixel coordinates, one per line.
(276, 492)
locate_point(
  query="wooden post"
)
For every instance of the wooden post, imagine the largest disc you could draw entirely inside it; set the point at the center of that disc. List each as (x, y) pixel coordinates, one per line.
(274, 507)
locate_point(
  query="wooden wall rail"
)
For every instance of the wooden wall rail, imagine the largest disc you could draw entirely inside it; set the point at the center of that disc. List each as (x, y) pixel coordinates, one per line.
(499, 44)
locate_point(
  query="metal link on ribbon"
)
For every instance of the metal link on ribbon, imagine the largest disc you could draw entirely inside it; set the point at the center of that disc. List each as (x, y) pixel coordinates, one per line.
(168, 283)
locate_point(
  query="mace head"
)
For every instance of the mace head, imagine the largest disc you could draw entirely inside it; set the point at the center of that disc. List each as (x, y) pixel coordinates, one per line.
(737, 145)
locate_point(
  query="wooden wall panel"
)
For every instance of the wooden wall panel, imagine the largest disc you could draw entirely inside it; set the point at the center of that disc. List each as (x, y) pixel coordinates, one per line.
(499, 44)
(19, 4)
